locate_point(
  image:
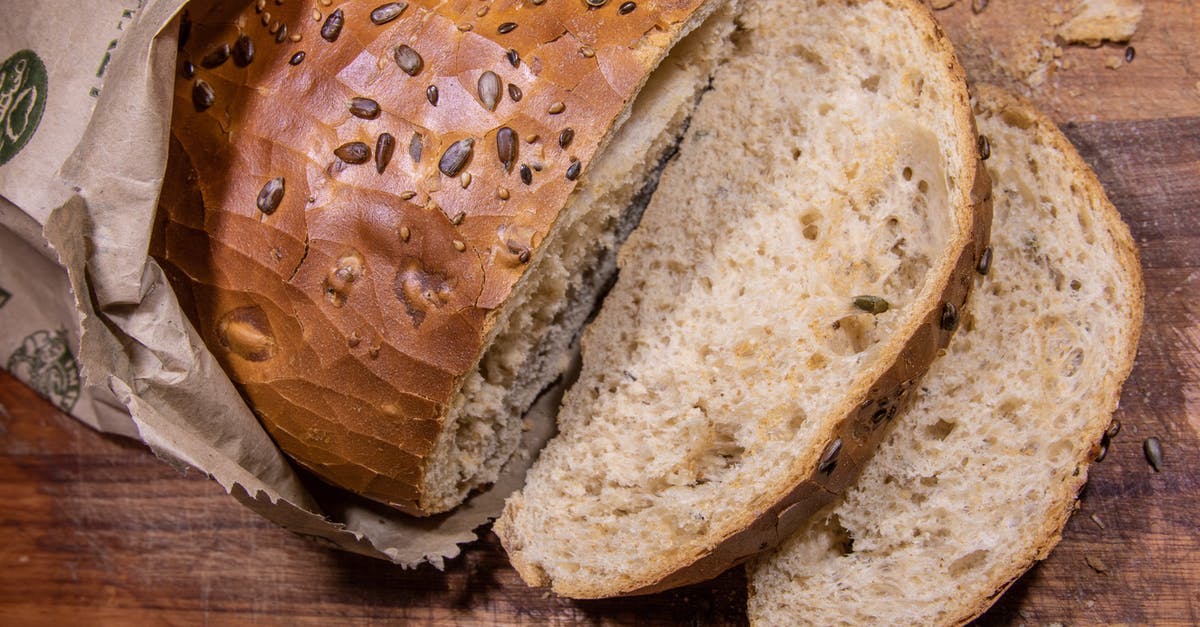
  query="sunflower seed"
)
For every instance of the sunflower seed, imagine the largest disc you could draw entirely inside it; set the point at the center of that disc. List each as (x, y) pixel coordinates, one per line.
(431, 94)
(405, 233)
(1103, 451)
(364, 108)
(871, 304)
(507, 28)
(626, 8)
(243, 51)
(202, 96)
(353, 152)
(415, 147)
(333, 26)
(297, 58)
(574, 169)
(408, 60)
(514, 59)
(1154, 453)
(949, 320)
(215, 57)
(489, 90)
(556, 108)
(271, 195)
(385, 146)
(985, 148)
(587, 52)
(282, 35)
(459, 245)
(1129, 54)
(456, 157)
(407, 195)
(1097, 521)
(595, 4)
(465, 181)
(502, 193)
(514, 92)
(526, 174)
(459, 217)
(189, 70)
(565, 137)
(385, 13)
(1113, 429)
(829, 458)
(985, 262)
(506, 147)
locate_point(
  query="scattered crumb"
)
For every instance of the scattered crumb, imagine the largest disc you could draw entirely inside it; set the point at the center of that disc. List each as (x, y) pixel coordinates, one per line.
(1113, 63)
(1096, 21)
(1096, 564)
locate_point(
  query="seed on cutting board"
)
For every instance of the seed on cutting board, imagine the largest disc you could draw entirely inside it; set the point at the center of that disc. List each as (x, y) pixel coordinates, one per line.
(409, 60)
(1103, 451)
(189, 70)
(574, 169)
(458, 217)
(829, 457)
(465, 180)
(514, 92)
(871, 304)
(415, 147)
(526, 174)
(514, 59)
(1096, 564)
(332, 27)
(506, 147)
(431, 94)
(949, 321)
(1154, 453)
(556, 108)
(385, 146)
(626, 8)
(1113, 429)
(353, 152)
(243, 51)
(985, 262)
(530, 138)
(489, 89)
(215, 57)
(506, 28)
(587, 52)
(202, 96)
(459, 245)
(282, 34)
(407, 195)
(985, 148)
(271, 195)
(456, 157)
(385, 13)
(364, 108)
(297, 58)
(565, 137)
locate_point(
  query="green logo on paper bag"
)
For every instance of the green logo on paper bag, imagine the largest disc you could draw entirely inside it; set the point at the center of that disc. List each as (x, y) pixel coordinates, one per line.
(22, 101)
(44, 362)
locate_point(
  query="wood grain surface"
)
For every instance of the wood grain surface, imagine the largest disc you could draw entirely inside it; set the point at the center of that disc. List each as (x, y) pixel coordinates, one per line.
(97, 531)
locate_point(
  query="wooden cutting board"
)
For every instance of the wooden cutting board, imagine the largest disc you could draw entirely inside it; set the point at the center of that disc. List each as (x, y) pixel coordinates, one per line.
(95, 529)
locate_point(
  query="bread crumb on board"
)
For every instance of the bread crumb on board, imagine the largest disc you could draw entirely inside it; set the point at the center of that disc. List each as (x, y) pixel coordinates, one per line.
(1096, 21)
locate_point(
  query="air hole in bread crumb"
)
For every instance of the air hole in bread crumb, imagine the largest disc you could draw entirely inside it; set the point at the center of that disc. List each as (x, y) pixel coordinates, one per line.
(1076, 285)
(970, 561)
(856, 334)
(811, 232)
(907, 173)
(940, 430)
(796, 152)
(871, 83)
(923, 186)
(824, 108)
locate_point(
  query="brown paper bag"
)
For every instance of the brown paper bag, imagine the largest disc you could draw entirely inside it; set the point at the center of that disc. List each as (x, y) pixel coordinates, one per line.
(87, 318)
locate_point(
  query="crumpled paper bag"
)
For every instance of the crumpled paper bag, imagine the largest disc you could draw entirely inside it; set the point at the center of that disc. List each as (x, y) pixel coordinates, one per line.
(88, 319)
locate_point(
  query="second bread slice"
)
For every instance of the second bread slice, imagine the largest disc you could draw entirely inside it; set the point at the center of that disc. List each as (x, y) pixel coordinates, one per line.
(797, 270)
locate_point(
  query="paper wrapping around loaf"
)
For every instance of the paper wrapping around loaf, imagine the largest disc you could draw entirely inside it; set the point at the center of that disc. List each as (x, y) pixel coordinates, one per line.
(350, 313)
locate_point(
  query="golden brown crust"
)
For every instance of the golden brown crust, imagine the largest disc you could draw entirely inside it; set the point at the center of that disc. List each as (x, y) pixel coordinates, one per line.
(991, 100)
(812, 484)
(349, 310)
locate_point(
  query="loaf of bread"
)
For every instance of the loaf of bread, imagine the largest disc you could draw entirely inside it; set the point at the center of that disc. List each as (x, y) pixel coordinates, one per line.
(389, 219)
(797, 270)
(976, 481)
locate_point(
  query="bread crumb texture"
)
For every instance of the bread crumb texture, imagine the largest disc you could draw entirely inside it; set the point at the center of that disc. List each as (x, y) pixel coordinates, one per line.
(976, 480)
(817, 169)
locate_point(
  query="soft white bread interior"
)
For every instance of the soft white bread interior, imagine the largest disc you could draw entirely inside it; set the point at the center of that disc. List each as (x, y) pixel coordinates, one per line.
(976, 481)
(733, 381)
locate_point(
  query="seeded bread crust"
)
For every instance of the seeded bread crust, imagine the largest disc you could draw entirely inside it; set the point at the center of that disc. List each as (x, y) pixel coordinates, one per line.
(350, 310)
(775, 579)
(821, 473)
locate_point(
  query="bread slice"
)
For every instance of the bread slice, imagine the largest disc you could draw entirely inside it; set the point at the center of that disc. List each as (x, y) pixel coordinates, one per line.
(976, 481)
(730, 383)
(390, 313)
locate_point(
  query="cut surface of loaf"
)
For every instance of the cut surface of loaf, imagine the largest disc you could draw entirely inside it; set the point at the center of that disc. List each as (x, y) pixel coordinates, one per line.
(976, 481)
(730, 382)
(389, 219)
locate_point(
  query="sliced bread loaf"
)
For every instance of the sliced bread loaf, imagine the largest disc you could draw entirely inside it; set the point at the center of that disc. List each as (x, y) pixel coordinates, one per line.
(799, 266)
(976, 481)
